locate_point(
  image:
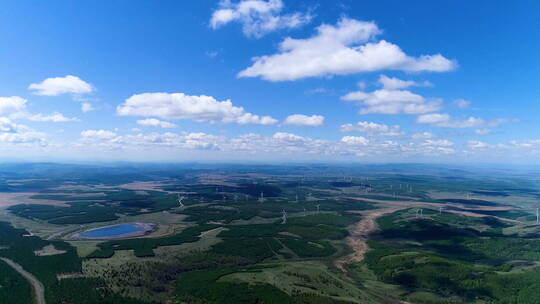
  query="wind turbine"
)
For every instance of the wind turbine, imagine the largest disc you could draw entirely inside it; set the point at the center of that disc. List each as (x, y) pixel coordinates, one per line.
(419, 213)
(304, 211)
(180, 199)
(318, 207)
(262, 198)
(440, 210)
(284, 217)
(537, 218)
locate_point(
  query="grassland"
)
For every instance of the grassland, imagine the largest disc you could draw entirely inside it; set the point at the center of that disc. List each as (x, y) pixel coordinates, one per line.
(226, 245)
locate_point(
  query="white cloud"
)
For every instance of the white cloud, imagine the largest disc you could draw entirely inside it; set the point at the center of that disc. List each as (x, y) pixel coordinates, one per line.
(99, 134)
(446, 121)
(86, 107)
(61, 85)
(152, 122)
(340, 50)
(23, 138)
(385, 101)
(434, 118)
(462, 103)
(396, 83)
(482, 131)
(13, 104)
(6, 125)
(355, 140)
(422, 135)
(438, 143)
(212, 54)
(475, 145)
(181, 106)
(288, 137)
(54, 117)
(280, 144)
(15, 107)
(12, 133)
(304, 120)
(258, 17)
(439, 146)
(372, 128)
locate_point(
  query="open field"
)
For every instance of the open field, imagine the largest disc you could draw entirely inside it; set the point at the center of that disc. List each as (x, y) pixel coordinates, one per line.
(309, 238)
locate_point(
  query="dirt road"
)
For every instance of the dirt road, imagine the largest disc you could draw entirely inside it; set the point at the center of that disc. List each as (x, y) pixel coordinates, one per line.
(367, 224)
(359, 235)
(39, 290)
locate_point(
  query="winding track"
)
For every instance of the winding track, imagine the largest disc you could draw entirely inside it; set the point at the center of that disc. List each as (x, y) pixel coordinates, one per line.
(367, 224)
(39, 290)
(359, 236)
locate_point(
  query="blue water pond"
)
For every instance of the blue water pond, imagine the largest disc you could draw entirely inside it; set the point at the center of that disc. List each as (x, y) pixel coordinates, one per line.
(111, 231)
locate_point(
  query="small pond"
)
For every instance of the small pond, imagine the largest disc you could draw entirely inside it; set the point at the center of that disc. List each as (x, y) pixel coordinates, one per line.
(115, 231)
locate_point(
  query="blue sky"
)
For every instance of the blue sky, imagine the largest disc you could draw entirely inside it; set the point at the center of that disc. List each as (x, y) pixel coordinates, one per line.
(254, 80)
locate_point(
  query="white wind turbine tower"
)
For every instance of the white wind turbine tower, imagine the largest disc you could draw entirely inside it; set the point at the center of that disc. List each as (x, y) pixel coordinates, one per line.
(318, 207)
(537, 218)
(180, 199)
(304, 211)
(419, 213)
(284, 217)
(261, 199)
(440, 210)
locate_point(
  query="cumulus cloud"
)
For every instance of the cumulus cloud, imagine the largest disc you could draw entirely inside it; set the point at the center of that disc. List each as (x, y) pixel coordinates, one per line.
(182, 106)
(462, 103)
(373, 129)
(15, 108)
(152, 122)
(258, 17)
(111, 140)
(446, 121)
(61, 85)
(393, 83)
(13, 133)
(475, 145)
(345, 48)
(304, 120)
(482, 131)
(54, 117)
(422, 135)
(86, 107)
(386, 101)
(8, 126)
(355, 140)
(99, 134)
(13, 104)
(434, 118)
(279, 144)
(439, 146)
